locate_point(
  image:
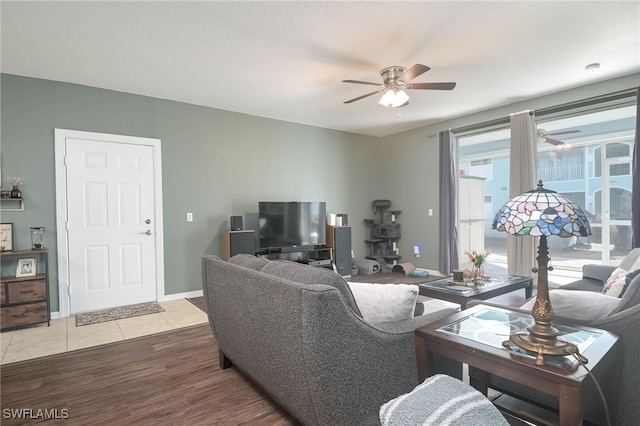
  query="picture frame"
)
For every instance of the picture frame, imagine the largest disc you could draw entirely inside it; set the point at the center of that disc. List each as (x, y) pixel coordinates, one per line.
(26, 267)
(6, 237)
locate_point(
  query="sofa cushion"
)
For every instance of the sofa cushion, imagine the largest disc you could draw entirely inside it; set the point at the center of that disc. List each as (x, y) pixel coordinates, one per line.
(306, 274)
(628, 279)
(615, 276)
(587, 284)
(618, 286)
(248, 261)
(441, 400)
(614, 286)
(632, 261)
(380, 303)
(631, 296)
(579, 305)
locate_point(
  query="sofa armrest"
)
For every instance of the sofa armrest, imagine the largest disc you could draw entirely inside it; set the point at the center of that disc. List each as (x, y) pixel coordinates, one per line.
(597, 272)
(344, 352)
(411, 324)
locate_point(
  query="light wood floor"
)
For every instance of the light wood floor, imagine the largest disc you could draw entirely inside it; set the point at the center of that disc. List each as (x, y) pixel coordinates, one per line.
(171, 378)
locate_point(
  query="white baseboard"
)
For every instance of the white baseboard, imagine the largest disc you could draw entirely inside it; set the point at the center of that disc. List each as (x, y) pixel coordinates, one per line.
(186, 295)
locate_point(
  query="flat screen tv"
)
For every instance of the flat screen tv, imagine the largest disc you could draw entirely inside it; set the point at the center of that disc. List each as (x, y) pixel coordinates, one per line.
(291, 224)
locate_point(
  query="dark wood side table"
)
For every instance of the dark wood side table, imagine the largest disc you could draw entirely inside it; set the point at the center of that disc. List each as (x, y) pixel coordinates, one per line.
(475, 336)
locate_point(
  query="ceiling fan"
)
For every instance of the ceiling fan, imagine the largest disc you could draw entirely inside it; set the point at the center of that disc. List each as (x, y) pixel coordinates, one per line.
(543, 136)
(395, 81)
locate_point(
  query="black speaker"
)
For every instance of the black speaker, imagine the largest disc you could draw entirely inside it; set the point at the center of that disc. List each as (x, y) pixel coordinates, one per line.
(342, 249)
(237, 242)
(236, 223)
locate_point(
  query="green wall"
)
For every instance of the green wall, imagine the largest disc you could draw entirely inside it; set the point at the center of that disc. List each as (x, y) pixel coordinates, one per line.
(217, 163)
(214, 164)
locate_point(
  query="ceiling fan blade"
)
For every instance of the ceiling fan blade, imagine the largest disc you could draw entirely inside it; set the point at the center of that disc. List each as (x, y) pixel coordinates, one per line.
(413, 72)
(361, 82)
(361, 97)
(432, 86)
(562, 133)
(553, 141)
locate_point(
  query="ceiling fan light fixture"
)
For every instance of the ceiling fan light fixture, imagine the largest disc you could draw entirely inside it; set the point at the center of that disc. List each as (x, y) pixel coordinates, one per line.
(394, 98)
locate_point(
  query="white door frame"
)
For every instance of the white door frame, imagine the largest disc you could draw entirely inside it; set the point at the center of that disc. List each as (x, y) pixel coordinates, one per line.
(61, 136)
(605, 201)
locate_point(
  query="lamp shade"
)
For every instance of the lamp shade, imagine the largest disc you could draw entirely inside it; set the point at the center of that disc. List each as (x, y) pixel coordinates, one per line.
(542, 212)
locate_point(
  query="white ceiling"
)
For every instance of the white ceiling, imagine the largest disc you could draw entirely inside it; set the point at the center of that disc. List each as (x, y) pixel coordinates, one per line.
(286, 60)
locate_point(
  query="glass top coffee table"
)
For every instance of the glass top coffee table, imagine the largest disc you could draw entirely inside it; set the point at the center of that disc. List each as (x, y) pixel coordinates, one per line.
(483, 289)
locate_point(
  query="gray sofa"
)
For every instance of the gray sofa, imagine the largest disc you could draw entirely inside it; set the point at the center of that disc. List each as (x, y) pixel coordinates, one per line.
(296, 331)
(623, 321)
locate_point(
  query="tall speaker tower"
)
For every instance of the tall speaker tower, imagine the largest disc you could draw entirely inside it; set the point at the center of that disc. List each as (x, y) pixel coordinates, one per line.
(339, 239)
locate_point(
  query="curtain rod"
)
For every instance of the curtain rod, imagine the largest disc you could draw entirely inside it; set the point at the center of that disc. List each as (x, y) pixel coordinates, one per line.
(499, 122)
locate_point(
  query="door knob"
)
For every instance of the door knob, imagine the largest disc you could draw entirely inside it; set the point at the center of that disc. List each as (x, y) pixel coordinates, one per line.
(147, 232)
(148, 221)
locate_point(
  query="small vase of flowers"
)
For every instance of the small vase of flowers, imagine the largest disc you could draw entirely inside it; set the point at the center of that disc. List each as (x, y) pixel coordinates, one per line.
(478, 259)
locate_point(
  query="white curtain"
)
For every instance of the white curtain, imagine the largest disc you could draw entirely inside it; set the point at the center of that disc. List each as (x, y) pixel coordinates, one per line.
(521, 250)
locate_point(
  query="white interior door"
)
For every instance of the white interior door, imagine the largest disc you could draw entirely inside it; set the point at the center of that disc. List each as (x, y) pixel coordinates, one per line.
(111, 224)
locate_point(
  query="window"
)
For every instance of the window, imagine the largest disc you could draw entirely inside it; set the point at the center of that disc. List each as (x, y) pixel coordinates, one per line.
(573, 165)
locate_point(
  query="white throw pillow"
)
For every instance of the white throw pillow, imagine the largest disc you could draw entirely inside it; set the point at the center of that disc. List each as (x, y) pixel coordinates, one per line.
(614, 287)
(613, 278)
(385, 302)
(579, 305)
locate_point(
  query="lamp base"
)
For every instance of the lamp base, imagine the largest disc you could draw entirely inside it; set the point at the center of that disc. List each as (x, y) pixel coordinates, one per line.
(544, 345)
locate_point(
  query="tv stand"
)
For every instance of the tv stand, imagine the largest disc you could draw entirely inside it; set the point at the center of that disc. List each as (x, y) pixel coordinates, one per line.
(310, 255)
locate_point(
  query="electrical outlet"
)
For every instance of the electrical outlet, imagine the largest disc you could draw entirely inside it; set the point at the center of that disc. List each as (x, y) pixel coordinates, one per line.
(189, 217)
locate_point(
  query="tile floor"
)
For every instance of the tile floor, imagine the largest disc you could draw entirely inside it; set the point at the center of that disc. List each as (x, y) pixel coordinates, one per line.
(63, 335)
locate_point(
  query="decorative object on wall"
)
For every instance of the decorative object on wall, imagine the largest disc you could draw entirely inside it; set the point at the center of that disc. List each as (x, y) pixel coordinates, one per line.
(542, 213)
(37, 237)
(384, 235)
(16, 182)
(6, 237)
